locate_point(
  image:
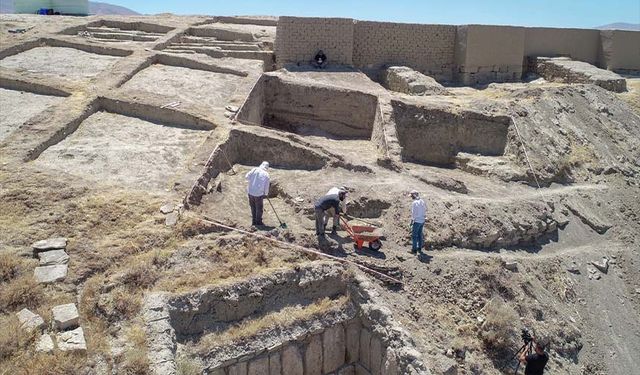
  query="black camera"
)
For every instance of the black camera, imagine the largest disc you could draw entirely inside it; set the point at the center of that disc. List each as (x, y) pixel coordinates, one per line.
(526, 336)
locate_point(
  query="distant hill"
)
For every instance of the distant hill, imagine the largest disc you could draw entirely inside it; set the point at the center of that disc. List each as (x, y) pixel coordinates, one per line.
(6, 6)
(620, 26)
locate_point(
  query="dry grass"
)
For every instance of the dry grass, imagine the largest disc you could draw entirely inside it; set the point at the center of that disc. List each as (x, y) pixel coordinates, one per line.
(498, 331)
(12, 337)
(56, 363)
(20, 293)
(285, 317)
(188, 366)
(10, 266)
(632, 96)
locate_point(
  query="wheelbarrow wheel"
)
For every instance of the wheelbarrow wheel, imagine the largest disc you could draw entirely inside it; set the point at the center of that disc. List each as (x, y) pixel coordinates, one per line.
(375, 245)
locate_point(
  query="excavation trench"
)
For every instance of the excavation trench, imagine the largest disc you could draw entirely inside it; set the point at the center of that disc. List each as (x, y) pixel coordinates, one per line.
(434, 136)
(316, 319)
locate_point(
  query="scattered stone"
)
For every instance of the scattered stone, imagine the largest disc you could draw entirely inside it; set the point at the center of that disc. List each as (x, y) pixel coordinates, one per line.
(637, 290)
(602, 266)
(566, 70)
(511, 266)
(50, 274)
(65, 316)
(232, 108)
(45, 344)
(49, 244)
(172, 219)
(53, 257)
(167, 208)
(401, 258)
(446, 366)
(573, 268)
(71, 340)
(30, 321)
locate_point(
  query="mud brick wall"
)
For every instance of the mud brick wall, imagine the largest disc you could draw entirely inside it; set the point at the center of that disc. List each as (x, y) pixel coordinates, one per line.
(426, 48)
(298, 40)
(578, 44)
(489, 54)
(620, 50)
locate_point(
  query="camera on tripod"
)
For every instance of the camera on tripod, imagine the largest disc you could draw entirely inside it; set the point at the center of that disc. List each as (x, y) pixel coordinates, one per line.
(526, 336)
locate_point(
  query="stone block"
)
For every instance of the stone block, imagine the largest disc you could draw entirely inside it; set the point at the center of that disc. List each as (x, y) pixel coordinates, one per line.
(353, 342)
(44, 344)
(259, 366)
(50, 274)
(275, 364)
(333, 348)
(49, 244)
(72, 340)
(238, 369)
(292, 361)
(53, 257)
(361, 370)
(377, 351)
(365, 347)
(313, 356)
(348, 370)
(65, 316)
(29, 320)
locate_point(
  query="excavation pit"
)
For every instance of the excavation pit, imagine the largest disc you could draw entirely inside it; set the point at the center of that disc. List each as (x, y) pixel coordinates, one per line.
(316, 319)
(434, 136)
(60, 62)
(117, 31)
(124, 150)
(199, 87)
(307, 108)
(19, 106)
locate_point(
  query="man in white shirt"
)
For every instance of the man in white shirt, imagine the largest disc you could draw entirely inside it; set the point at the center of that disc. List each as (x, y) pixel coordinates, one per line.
(331, 212)
(258, 188)
(418, 216)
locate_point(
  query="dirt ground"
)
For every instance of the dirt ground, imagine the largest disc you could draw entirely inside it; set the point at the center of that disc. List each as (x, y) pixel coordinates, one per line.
(71, 168)
(19, 106)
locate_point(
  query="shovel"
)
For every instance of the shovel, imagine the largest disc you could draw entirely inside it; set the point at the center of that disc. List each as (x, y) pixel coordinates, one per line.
(282, 225)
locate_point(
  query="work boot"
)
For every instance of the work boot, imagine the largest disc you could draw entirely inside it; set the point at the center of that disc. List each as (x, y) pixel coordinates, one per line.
(334, 230)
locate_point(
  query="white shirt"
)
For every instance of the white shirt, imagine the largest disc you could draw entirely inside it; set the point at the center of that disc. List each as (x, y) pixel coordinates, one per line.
(418, 211)
(343, 203)
(258, 179)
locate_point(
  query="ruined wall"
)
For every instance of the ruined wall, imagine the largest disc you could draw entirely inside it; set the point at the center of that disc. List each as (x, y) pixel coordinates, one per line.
(426, 48)
(298, 40)
(489, 54)
(620, 50)
(578, 44)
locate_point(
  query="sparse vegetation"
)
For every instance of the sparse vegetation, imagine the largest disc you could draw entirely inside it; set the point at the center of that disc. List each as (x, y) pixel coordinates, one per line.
(499, 329)
(188, 366)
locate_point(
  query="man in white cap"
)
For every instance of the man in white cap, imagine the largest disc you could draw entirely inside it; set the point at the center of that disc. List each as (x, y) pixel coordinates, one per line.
(258, 188)
(331, 212)
(418, 216)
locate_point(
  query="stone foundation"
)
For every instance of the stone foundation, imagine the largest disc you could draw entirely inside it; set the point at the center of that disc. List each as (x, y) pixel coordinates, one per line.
(565, 70)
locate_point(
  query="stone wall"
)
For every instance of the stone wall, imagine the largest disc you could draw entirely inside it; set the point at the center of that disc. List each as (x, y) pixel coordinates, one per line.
(345, 348)
(578, 44)
(425, 48)
(298, 40)
(620, 50)
(489, 54)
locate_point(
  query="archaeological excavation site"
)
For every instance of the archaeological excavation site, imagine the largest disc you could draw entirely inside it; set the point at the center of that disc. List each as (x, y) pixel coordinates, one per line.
(126, 236)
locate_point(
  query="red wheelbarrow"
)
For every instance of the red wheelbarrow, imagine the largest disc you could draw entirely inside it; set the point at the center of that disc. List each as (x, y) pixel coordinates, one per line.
(362, 234)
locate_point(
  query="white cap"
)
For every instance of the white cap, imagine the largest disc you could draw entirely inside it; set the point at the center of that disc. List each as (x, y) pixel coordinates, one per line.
(264, 165)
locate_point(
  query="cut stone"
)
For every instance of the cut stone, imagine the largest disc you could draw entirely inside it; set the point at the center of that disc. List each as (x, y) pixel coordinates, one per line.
(353, 342)
(45, 344)
(53, 257)
(238, 369)
(389, 364)
(602, 266)
(259, 366)
(49, 244)
(167, 208)
(361, 370)
(406, 80)
(29, 320)
(313, 356)
(365, 342)
(333, 349)
(50, 274)
(511, 266)
(376, 355)
(172, 219)
(71, 340)
(349, 370)
(275, 365)
(65, 316)
(292, 361)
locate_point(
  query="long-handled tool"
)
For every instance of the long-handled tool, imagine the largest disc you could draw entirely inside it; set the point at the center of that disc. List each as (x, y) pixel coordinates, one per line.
(282, 225)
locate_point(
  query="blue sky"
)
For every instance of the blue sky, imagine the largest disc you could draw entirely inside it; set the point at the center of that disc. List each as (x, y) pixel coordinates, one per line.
(554, 13)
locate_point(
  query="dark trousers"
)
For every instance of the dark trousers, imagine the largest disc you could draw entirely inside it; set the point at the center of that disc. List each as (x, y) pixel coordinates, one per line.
(256, 209)
(319, 221)
(417, 237)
